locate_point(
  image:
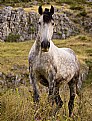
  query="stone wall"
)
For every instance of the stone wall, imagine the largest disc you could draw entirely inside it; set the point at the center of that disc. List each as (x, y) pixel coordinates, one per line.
(18, 22)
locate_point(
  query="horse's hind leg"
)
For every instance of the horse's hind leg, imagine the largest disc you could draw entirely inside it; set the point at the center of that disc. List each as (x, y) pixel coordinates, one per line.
(72, 86)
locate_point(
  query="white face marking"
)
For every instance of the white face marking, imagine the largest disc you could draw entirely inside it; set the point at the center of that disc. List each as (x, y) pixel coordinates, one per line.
(45, 29)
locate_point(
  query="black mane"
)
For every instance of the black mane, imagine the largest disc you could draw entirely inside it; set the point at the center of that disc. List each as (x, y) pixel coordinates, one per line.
(47, 16)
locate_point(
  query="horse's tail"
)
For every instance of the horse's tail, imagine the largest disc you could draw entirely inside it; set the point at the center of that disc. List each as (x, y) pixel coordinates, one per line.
(82, 76)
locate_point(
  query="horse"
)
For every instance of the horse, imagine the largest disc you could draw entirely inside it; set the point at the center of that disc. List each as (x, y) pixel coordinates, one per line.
(52, 66)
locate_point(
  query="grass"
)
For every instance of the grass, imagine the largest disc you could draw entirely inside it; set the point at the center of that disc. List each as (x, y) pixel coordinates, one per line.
(13, 53)
(17, 53)
(17, 103)
(35, 8)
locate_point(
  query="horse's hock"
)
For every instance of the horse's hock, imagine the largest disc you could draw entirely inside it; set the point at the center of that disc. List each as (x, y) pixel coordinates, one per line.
(18, 22)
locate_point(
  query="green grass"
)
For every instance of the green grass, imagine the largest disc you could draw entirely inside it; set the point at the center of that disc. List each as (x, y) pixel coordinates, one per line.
(17, 103)
(13, 53)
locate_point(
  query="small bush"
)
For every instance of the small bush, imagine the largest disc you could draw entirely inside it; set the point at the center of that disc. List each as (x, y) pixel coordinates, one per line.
(76, 7)
(82, 38)
(65, 1)
(32, 30)
(12, 37)
(82, 13)
(59, 33)
(75, 20)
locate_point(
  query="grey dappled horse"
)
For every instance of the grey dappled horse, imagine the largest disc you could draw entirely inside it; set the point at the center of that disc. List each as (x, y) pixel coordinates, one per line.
(50, 65)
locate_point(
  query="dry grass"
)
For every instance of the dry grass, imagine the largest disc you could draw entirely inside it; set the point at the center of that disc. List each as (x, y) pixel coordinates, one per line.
(35, 7)
(12, 54)
(17, 103)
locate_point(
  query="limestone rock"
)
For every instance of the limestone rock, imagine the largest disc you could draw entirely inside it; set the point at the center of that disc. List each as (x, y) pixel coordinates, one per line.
(25, 25)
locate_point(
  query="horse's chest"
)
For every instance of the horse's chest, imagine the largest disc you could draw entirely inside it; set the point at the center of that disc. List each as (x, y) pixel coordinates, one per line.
(42, 64)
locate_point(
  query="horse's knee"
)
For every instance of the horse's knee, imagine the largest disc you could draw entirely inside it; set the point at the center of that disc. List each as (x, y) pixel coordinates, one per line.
(35, 96)
(72, 96)
(35, 90)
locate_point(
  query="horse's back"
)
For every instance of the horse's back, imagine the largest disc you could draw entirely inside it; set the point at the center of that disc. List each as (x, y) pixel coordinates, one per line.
(69, 51)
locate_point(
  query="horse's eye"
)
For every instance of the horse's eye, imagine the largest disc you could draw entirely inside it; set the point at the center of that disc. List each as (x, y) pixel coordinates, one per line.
(53, 23)
(39, 23)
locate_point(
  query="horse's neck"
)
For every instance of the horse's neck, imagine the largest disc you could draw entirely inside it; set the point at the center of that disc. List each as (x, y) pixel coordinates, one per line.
(52, 47)
(37, 44)
(52, 44)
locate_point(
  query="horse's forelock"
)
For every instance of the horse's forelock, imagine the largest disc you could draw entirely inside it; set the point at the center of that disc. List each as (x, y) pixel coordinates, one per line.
(47, 16)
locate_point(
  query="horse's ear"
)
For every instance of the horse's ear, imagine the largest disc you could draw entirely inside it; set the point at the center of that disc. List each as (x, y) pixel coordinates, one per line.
(40, 10)
(52, 10)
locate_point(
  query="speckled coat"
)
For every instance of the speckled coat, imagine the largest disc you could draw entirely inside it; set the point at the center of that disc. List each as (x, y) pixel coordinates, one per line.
(61, 62)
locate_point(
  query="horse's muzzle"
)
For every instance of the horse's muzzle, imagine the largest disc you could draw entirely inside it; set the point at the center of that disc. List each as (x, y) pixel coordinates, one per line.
(45, 45)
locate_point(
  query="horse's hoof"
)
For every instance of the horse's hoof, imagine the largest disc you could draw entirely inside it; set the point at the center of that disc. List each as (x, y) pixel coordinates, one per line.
(36, 98)
(51, 100)
(71, 115)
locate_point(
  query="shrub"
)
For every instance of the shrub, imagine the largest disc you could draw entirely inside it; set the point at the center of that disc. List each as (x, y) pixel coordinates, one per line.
(82, 38)
(65, 1)
(83, 13)
(76, 7)
(12, 37)
(70, 1)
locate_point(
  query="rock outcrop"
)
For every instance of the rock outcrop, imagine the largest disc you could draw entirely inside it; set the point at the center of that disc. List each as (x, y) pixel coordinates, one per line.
(24, 26)
(18, 22)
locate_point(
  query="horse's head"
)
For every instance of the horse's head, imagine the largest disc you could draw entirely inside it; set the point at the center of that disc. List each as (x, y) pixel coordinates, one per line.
(46, 24)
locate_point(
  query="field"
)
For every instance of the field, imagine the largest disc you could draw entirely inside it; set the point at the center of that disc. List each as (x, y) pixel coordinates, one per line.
(16, 100)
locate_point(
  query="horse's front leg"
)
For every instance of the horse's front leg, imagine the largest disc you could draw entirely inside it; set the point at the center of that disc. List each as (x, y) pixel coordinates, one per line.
(34, 85)
(51, 88)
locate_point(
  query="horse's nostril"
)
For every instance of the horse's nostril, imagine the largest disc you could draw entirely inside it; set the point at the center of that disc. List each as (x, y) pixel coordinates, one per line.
(45, 44)
(48, 44)
(42, 45)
